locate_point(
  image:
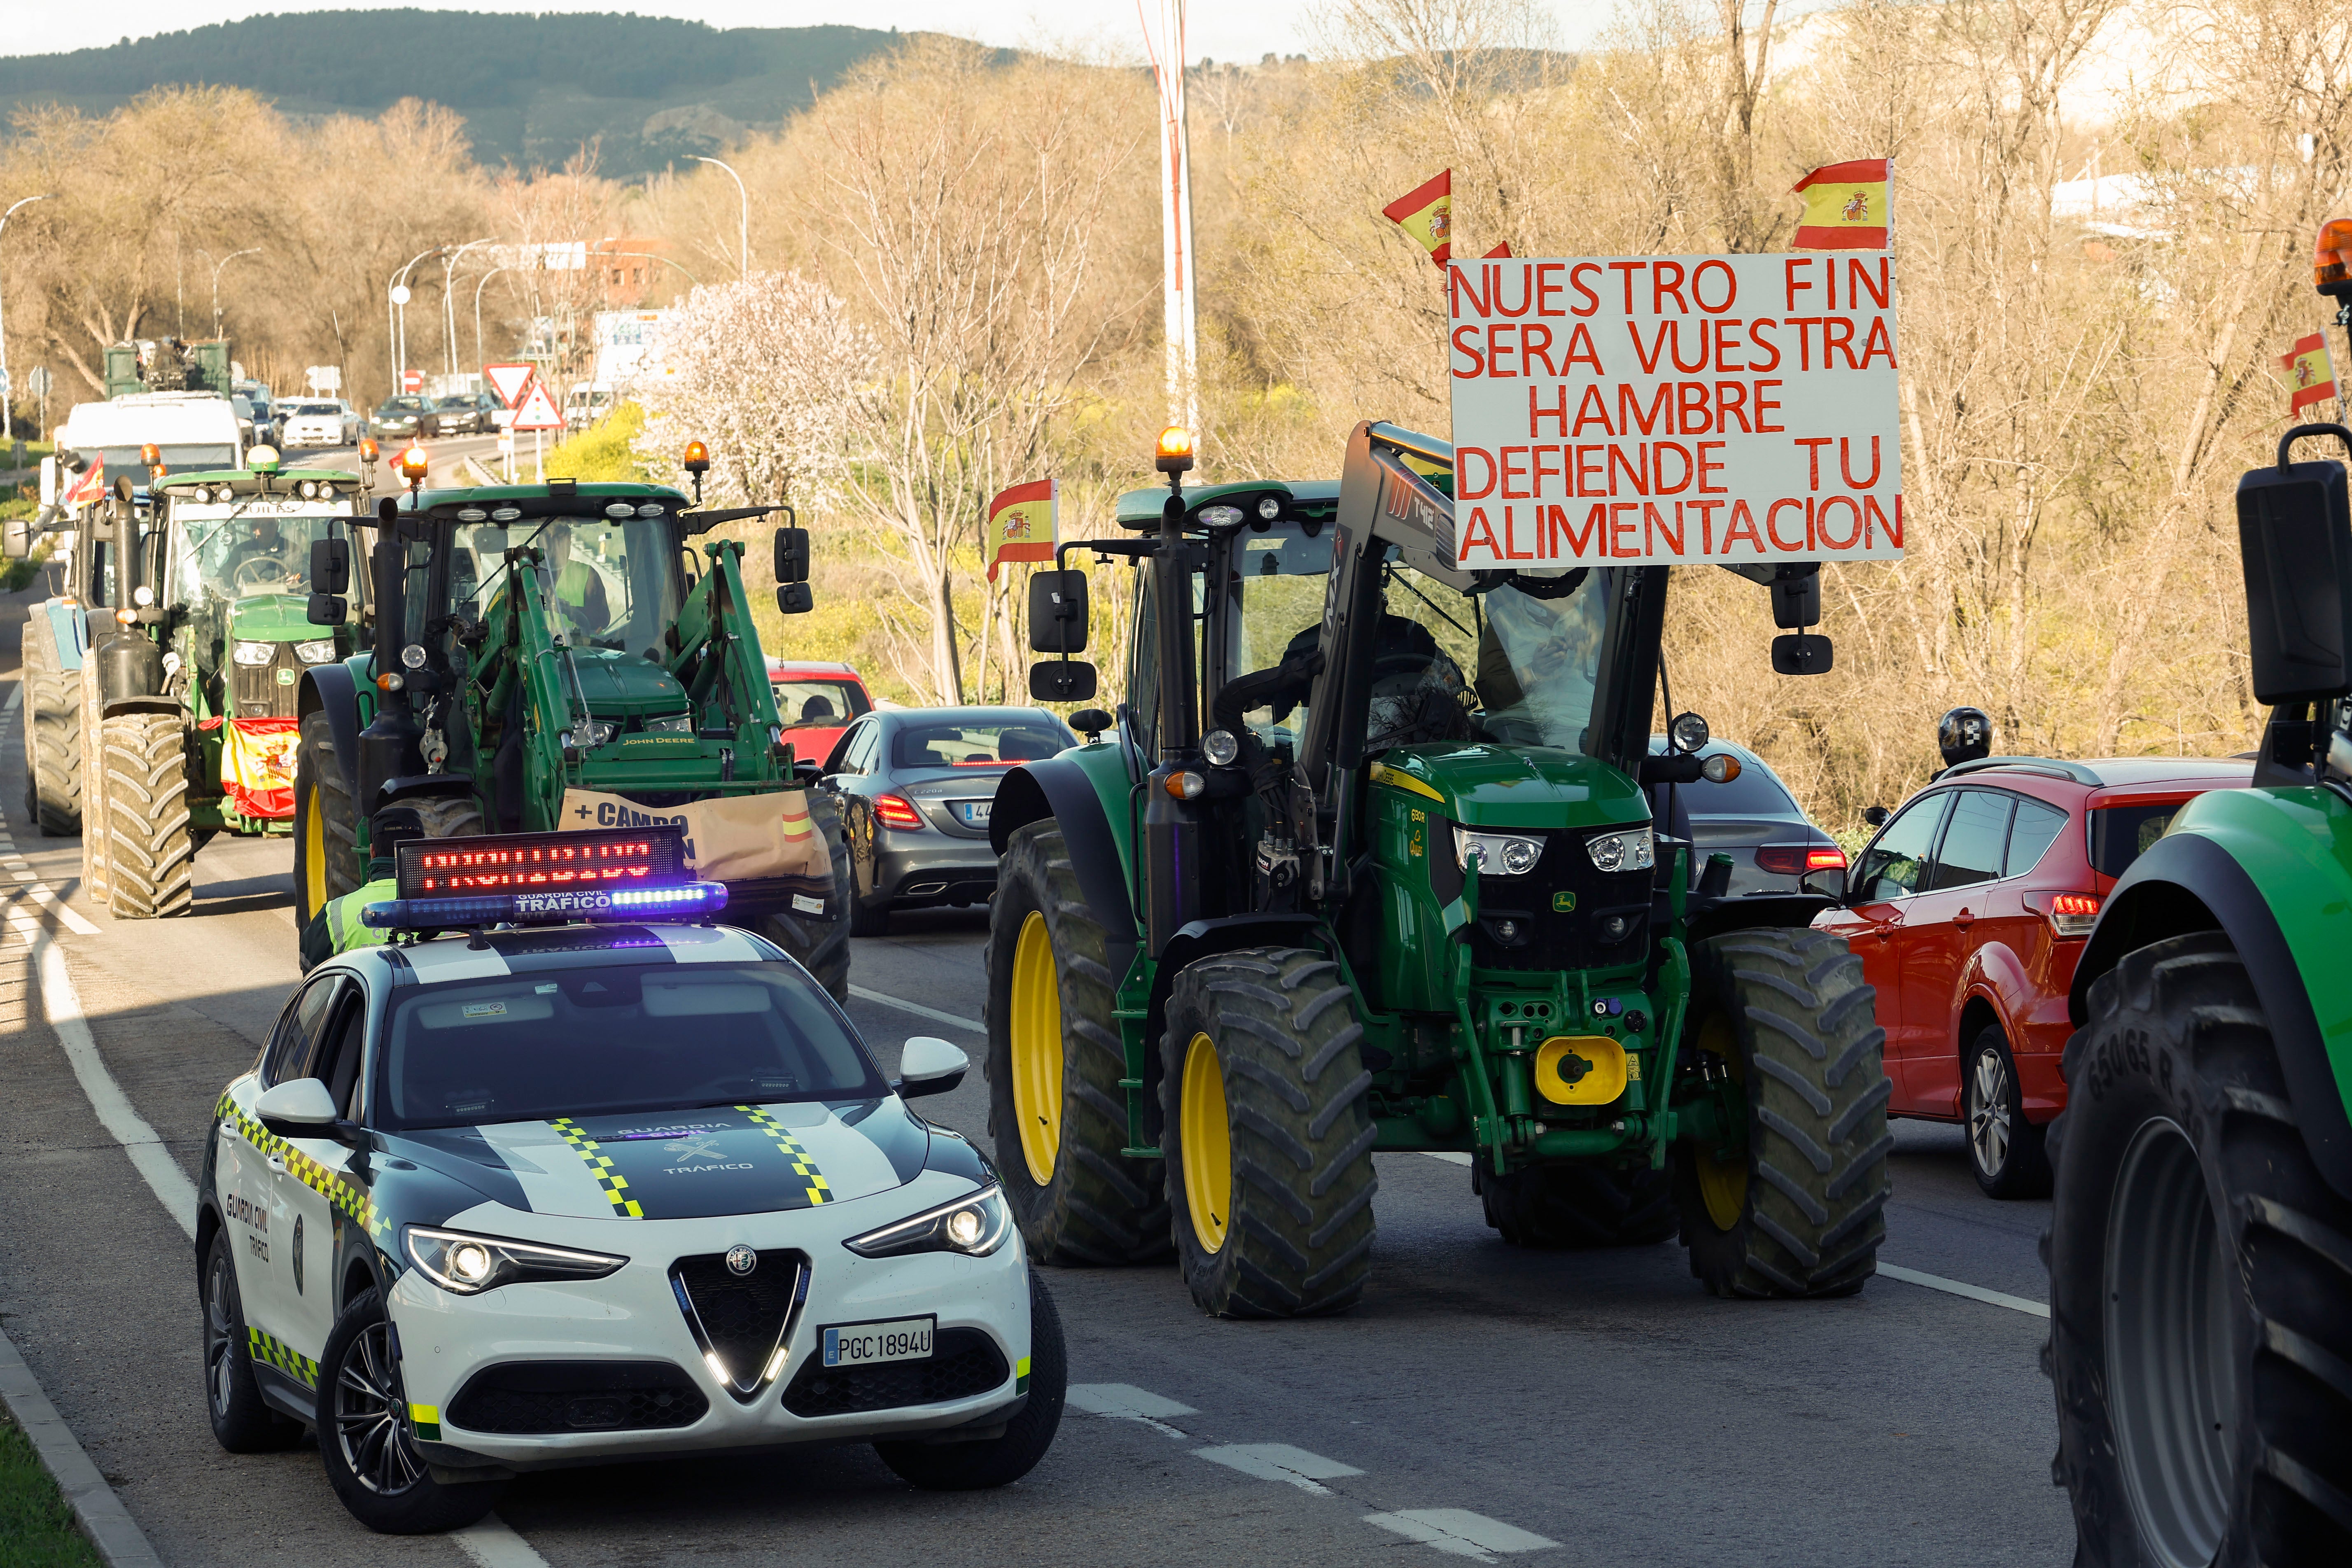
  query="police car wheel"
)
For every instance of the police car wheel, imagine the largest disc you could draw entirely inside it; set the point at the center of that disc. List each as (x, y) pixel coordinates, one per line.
(242, 1420)
(366, 1441)
(999, 1461)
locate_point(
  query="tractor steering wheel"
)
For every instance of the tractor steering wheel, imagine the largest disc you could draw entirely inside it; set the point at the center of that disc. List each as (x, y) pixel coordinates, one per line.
(256, 569)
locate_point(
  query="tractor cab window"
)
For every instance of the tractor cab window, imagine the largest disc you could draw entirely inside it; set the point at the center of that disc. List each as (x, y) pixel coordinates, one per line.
(1516, 665)
(1275, 586)
(611, 582)
(221, 553)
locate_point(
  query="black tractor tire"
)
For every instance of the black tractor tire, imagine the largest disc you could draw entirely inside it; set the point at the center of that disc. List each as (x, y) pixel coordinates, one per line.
(999, 1461)
(367, 1443)
(1801, 1211)
(243, 1421)
(447, 815)
(52, 720)
(2007, 1153)
(1576, 1206)
(151, 854)
(1092, 1204)
(2201, 1281)
(821, 942)
(326, 827)
(1288, 1073)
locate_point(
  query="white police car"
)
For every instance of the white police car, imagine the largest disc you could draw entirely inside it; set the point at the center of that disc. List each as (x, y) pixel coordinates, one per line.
(527, 1196)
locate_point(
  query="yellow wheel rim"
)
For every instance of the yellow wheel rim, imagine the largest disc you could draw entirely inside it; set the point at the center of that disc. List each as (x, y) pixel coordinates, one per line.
(1036, 1049)
(314, 858)
(1722, 1184)
(1207, 1145)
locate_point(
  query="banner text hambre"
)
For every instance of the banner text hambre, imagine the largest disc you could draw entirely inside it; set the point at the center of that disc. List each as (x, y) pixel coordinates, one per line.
(1668, 409)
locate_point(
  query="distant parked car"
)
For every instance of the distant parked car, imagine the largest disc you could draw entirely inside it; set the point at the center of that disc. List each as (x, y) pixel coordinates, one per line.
(405, 415)
(314, 423)
(1752, 817)
(916, 787)
(586, 403)
(817, 702)
(466, 413)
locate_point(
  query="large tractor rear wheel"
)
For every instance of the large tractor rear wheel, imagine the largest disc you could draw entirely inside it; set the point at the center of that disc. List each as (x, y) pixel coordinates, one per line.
(151, 854)
(821, 941)
(1798, 1211)
(52, 720)
(326, 828)
(1055, 1107)
(2201, 1281)
(1579, 1205)
(1269, 1134)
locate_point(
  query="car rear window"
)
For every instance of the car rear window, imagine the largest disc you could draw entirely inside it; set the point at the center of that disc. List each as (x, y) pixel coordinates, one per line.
(1753, 792)
(2122, 833)
(826, 704)
(973, 745)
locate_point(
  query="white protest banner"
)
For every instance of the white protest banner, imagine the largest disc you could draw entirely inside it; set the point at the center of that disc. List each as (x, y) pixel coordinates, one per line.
(1675, 410)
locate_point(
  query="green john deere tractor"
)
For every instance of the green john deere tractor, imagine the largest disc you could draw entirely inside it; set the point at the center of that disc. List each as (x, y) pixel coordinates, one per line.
(569, 655)
(2200, 1238)
(1400, 890)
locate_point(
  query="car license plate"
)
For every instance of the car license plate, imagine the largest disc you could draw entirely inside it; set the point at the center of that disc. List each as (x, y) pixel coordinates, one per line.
(973, 813)
(863, 1344)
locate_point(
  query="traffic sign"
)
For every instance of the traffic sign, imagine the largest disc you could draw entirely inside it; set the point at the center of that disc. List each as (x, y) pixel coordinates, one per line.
(507, 381)
(36, 381)
(324, 377)
(412, 380)
(538, 411)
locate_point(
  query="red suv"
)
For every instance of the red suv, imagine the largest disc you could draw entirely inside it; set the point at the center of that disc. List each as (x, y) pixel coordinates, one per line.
(816, 702)
(1969, 911)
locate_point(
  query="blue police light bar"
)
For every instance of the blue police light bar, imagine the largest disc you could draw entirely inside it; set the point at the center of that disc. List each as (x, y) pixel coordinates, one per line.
(681, 900)
(634, 874)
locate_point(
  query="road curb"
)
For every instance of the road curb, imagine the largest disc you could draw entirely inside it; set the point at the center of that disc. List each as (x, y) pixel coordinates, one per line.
(100, 1512)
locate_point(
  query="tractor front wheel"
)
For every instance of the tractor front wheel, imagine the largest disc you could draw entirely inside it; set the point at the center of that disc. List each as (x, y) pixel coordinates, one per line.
(1579, 1205)
(2200, 1280)
(1056, 1106)
(1263, 1089)
(326, 828)
(1798, 1211)
(151, 854)
(52, 719)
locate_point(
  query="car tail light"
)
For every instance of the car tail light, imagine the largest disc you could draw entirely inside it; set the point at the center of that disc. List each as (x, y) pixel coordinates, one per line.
(1799, 859)
(896, 811)
(2073, 914)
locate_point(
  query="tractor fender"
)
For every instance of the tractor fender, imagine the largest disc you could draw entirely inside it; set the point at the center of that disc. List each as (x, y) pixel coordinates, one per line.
(1717, 916)
(423, 786)
(2189, 882)
(122, 705)
(1059, 788)
(328, 688)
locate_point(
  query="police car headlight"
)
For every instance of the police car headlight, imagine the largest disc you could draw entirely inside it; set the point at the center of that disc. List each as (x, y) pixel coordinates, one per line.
(975, 1226)
(256, 652)
(1634, 851)
(315, 652)
(469, 1265)
(1497, 854)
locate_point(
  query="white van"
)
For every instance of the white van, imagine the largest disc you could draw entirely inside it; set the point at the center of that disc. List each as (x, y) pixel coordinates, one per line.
(194, 430)
(586, 403)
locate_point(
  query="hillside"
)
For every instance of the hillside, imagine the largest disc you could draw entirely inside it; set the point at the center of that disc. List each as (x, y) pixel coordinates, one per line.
(533, 89)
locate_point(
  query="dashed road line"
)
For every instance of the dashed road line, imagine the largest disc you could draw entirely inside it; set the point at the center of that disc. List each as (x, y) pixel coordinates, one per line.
(1451, 1156)
(919, 1010)
(1961, 1288)
(1458, 1532)
(1125, 1402)
(1280, 1462)
(493, 1542)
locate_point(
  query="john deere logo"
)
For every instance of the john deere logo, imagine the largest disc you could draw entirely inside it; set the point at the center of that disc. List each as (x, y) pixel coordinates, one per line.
(285, 677)
(1563, 902)
(742, 1259)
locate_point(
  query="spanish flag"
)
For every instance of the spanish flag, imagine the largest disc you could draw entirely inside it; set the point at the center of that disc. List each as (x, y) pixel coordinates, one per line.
(2311, 379)
(90, 486)
(1024, 524)
(1846, 207)
(1427, 214)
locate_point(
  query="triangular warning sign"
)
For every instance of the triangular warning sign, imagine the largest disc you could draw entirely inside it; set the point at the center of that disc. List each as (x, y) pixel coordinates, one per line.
(538, 411)
(509, 380)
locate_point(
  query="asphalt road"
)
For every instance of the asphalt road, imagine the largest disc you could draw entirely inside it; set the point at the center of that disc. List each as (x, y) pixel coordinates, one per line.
(1481, 1402)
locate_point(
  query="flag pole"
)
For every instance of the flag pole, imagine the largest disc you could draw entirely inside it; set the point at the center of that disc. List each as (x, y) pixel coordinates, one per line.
(1165, 44)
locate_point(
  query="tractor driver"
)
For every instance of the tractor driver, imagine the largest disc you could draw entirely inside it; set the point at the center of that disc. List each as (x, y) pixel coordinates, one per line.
(1416, 691)
(578, 587)
(262, 542)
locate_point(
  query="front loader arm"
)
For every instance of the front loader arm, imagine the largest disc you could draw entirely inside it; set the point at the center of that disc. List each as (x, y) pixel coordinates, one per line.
(717, 658)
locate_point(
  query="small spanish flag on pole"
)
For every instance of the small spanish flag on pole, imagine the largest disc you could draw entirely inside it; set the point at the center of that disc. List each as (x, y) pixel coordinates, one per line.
(1846, 207)
(1023, 523)
(1427, 214)
(2311, 378)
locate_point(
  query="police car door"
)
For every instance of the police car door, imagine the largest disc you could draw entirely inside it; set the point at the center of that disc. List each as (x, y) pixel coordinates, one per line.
(316, 1194)
(249, 1171)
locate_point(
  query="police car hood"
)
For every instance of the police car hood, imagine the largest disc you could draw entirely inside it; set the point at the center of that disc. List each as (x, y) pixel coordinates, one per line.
(685, 1165)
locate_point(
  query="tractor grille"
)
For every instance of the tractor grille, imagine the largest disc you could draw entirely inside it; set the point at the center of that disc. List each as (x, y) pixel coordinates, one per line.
(1542, 936)
(741, 1317)
(963, 1362)
(525, 1396)
(268, 690)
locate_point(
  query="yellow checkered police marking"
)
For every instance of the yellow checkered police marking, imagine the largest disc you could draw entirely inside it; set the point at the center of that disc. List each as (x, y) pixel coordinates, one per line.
(282, 1356)
(340, 1192)
(600, 1165)
(803, 1166)
(426, 1420)
(1021, 1375)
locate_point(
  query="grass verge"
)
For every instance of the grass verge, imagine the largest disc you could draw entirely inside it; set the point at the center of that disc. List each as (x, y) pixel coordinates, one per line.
(37, 1528)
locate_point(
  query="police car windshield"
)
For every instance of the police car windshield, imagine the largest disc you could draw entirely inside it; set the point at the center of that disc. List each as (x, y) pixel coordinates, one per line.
(614, 581)
(617, 1038)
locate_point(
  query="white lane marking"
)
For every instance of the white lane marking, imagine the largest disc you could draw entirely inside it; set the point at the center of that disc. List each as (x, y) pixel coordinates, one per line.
(492, 1543)
(15, 696)
(23, 876)
(62, 1006)
(1450, 1156)
(1961, 1288)
(1458, 1532)
(58, 906)
(919, 1010)
(1125, 1402)
(1280, 1462)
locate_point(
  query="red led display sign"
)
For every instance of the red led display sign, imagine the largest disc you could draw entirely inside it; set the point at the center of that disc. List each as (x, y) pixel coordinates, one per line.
(540, 862)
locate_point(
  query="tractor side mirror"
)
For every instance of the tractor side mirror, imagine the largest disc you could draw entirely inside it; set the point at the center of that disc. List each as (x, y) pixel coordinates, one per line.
(1797, 601)
(330, 566)
(1057, 612)
(2294, 540)
(1090, 723)
(792, 556)
(17, 538)
(1875, 815)
(1801, 653)
(327, 610)
(795, 598)
(1062, 680)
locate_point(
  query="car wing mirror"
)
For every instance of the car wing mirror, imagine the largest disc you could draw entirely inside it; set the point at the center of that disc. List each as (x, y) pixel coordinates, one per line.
(299, 1107)
(929, 1064)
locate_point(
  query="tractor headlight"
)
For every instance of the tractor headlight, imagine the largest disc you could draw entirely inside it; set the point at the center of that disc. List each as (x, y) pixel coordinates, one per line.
(974, 1226)
(671, 724)
(320, 652)
(467, 1265)
(256, 652)
(1219, 516)
(594, 733)
(1221, 747)
(1497, 854)
(1632, 850)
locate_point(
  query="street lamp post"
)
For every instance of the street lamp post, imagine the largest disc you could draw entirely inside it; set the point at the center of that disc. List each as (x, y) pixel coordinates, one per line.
(486, 276)
(743, 219)
(396, 317)
(8, 428)
(450, 261)
(223, 261)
